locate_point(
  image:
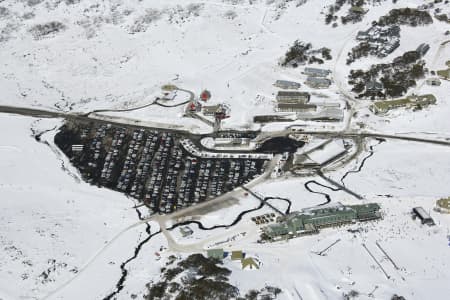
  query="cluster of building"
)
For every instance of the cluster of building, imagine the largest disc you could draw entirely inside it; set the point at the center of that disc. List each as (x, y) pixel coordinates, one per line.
(411, 102)
(218, 111)
(298, 102)
(238, 255)
(293, 101)
(380, 41)
(152, 166)
(376, 89)
(317, 78)
(311, 220)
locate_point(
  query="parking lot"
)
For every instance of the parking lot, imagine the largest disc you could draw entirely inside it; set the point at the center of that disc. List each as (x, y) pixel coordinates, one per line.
(152, 165)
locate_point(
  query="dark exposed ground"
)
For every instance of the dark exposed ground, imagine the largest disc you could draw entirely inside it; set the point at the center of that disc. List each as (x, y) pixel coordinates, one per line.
(280, 145)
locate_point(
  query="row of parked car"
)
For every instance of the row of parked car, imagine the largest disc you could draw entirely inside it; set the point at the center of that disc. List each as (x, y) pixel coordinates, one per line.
(153, 166)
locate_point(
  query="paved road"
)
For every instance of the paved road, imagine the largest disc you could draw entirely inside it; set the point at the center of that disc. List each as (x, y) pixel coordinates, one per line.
(154, 102)
(350, 134)
(41, 113)
(92, 117)
(32, 112)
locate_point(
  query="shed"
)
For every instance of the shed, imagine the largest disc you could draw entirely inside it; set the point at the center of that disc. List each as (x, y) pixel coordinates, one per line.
(77, 148)
(249, 262)
(237, 255)
(422, 215)
(433, 81)
(186, 231)
(215, 253)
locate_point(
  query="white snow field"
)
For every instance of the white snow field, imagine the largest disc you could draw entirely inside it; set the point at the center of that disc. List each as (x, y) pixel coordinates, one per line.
(117, 54)
(52, 224)
(61, 238)
(399, 176)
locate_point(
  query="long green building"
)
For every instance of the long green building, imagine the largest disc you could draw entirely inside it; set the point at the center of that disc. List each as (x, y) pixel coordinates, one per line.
(309, 221)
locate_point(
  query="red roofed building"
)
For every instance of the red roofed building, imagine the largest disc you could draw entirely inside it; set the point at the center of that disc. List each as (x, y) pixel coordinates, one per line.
(205, 95)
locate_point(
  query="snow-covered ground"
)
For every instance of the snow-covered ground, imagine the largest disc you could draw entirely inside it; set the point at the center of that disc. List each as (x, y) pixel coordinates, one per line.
(61, 238)
(101, 61)
(52, 224)
(399, 176)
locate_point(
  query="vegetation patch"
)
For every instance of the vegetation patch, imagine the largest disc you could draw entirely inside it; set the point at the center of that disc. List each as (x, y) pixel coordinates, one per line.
(392, 80)
(354, 14)
(201, 278)
(47, 29)
(442, 18)
(406, 16)
(301, 53)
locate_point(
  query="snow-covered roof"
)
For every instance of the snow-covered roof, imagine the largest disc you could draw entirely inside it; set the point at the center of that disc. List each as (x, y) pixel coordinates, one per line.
(327, 152)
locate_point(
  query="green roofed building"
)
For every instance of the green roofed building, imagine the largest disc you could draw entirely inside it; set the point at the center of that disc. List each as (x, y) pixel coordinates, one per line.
(413, 102)
(310, 220)
(215, 253)
(368, 211)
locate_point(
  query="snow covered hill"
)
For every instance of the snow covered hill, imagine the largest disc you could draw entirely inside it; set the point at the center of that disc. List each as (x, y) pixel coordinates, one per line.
(61, 238)
(85, 55)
